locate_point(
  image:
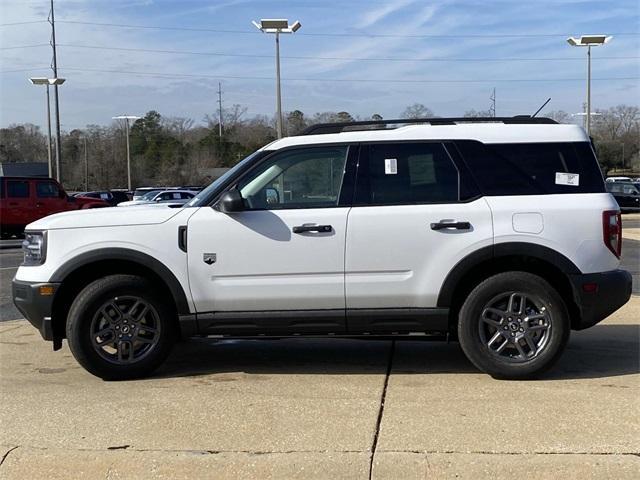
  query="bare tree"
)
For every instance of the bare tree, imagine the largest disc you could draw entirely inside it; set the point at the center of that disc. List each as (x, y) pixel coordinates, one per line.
(417, 110)
(477, 113)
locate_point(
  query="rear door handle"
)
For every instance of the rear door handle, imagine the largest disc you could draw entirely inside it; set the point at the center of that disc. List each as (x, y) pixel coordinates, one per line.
(456, 225)
(312, 228)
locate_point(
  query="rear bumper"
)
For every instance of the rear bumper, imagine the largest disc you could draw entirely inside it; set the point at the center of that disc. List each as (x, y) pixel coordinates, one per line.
(598, 295)
(31, 301)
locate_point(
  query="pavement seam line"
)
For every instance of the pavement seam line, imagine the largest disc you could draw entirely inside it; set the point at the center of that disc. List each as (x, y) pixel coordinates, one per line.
(383, 397)
(192, 451)
(488, 452)
(4, 457)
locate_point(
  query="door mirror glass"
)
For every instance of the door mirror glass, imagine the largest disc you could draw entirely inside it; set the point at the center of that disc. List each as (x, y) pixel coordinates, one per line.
(231, 201)
(271, 196)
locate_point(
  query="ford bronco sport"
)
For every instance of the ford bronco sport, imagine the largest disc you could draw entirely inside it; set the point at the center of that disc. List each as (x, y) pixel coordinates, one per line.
(497, 233)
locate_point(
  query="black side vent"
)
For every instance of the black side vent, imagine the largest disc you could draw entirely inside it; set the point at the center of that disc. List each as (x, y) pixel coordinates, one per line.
(182, 238)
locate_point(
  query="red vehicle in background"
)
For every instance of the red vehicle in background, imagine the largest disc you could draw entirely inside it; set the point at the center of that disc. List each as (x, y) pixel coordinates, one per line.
(26, 199)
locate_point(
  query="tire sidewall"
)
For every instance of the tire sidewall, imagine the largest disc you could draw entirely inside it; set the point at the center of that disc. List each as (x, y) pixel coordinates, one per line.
(83, 310)
(469, 335)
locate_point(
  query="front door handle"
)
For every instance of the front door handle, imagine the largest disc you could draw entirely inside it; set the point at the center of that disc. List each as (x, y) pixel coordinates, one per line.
(312, 228)
(456, 225)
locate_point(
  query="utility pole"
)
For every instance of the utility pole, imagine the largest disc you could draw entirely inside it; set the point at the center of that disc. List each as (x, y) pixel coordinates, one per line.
(220, 110)
(54, 66)
(126, 119)
(86, 166)
(492, 108)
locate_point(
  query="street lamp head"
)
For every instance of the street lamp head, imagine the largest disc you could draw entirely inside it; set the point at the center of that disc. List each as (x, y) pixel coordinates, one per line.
(39, 80)
(125, 117)
(589, 40)
(276, 25)
(280, 23)
(47, 81)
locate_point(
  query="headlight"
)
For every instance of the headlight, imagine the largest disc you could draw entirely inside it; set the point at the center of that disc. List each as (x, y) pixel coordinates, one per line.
(34, 247)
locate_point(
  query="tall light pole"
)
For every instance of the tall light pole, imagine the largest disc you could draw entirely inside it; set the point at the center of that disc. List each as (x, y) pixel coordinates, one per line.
(589, 41)
(277, 26)
(54, 67)
(126, 119)
(46, 82)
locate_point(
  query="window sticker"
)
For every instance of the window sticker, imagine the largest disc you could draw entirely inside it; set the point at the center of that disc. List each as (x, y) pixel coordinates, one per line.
(572, 179)
(390, 166)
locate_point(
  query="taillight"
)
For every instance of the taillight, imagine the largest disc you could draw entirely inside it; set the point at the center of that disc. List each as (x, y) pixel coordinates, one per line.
(612, 231)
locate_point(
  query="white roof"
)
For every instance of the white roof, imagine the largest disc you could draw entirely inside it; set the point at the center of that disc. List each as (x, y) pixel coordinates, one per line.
(483, 132)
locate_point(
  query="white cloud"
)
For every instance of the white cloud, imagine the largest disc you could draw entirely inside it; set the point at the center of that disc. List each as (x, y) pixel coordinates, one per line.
(374, 16)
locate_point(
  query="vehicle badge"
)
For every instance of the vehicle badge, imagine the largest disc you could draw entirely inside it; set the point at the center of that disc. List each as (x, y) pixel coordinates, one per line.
(209, 258)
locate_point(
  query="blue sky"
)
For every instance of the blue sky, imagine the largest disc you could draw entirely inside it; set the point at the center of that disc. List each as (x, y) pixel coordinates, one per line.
(446, 54)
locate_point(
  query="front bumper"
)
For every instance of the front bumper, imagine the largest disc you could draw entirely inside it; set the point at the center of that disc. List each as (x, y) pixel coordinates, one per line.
(598, 295)
(34, 301)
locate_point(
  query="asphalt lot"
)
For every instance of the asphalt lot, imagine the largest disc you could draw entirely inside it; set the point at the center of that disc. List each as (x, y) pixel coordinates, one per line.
(323, 408)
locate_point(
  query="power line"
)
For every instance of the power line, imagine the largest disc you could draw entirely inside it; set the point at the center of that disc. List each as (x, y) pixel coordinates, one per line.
(26, 46)
(296, 57)
(29, 69)
(338, 34)
(21, 23)
(345, 80)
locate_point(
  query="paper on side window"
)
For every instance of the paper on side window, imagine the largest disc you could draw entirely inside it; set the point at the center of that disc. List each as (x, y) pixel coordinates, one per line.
(390, 166)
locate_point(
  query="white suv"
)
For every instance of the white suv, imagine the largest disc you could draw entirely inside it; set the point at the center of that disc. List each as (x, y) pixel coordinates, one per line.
(499, 234)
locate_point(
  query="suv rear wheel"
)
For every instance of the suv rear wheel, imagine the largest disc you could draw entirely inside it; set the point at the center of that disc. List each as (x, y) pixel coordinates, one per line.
(119, 328)
(513, 325)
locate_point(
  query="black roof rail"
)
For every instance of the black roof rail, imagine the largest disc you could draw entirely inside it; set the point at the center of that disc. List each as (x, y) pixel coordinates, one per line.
(325, 128)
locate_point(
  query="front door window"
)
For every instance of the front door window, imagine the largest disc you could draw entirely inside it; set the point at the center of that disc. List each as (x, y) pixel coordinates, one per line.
(303, 178)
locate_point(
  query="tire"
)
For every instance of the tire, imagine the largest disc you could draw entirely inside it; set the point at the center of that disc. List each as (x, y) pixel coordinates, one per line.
(119, 327)
(513, 325)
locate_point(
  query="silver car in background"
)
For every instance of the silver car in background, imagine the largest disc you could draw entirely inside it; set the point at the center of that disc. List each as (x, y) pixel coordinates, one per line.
(164, 197)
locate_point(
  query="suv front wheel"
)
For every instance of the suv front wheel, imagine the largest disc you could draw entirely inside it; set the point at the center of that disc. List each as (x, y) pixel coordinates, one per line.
(119, 327)
(513, 325)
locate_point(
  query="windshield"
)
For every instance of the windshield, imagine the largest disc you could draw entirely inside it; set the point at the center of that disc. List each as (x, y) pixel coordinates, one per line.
(150, 195)
(202, 197)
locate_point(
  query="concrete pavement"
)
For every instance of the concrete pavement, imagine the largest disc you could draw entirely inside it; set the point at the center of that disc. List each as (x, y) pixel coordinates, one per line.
(317, 409)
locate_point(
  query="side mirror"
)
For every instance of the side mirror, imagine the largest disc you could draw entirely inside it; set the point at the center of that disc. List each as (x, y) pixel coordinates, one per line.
(271, 196)
(231, 201)
(71, 199)
(157, 199)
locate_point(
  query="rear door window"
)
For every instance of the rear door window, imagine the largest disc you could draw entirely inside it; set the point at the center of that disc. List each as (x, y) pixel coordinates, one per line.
(47, 190)
(533, 168)
(17, 189)
(406, 173)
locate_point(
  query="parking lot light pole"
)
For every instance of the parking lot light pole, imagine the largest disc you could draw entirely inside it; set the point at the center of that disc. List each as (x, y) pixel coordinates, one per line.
(126, 119)
(46, 82)
(277, 26)
(589, 41)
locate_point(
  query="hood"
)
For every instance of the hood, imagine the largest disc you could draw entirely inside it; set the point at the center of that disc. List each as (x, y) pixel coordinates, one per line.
(104, 217)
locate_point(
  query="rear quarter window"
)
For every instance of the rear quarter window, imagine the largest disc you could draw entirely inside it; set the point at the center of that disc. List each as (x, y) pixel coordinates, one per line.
(533, 168)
